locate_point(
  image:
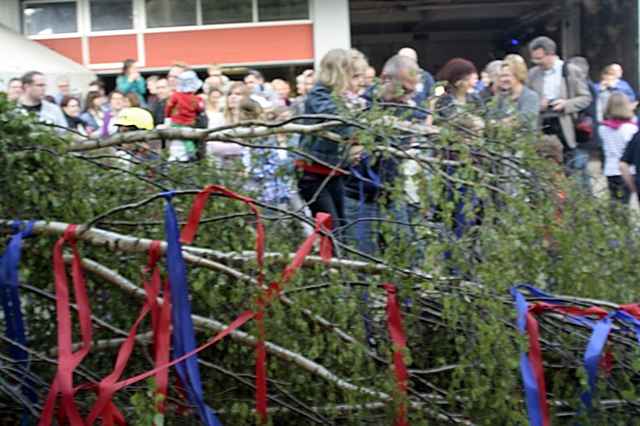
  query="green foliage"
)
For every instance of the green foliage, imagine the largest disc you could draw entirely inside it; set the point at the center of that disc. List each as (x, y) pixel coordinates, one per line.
(464, 330)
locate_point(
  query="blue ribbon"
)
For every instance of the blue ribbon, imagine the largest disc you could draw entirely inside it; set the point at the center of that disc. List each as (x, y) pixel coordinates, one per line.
(9, 293)
(183, 334)
(596, 345)
(531, 389)
(593, 354)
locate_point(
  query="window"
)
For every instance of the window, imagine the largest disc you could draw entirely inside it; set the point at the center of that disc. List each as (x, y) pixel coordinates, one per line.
(281, 10)
(107, 15)
(49, 18)
(170, 13)
(226, 12)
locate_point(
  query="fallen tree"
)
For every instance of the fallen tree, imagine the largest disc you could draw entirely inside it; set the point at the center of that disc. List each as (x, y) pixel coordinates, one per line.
(330, 357)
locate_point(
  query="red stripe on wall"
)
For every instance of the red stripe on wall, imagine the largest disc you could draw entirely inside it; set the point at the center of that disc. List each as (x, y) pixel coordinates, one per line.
(69, 47)
(116, 48)
(233, 45)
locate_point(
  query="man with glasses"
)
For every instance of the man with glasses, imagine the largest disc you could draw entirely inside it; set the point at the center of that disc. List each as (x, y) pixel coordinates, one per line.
(367, 190)
(563, 94)
(34, 87)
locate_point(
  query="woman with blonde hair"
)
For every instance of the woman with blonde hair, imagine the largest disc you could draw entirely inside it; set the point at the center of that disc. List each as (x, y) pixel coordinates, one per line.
(616, 130)
(322, 183)
(232, 115)
(514, 98)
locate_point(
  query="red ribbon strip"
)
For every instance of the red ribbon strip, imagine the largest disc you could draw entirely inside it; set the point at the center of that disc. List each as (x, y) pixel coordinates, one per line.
(188, 235)
(104, 406)
(160, 321)
(68, 360)
(396, 332)
(535, 351)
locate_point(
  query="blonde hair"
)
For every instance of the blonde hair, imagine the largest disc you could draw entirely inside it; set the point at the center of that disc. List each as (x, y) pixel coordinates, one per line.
(618, 107)
(517, 66)
(335, 70)
(229, 115)
(359, 62)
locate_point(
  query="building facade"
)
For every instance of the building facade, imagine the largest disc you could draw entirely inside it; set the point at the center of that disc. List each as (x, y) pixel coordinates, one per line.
(288, 34)
(100, 34)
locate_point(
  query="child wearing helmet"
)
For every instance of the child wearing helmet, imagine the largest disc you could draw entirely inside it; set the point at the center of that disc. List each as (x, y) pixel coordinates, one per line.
(183, 108)
(132, 119)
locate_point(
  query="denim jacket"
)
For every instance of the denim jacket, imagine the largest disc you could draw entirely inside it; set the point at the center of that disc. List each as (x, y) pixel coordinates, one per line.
(321, 101)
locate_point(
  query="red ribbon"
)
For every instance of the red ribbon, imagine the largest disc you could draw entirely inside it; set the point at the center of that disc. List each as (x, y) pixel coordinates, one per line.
(161, 317)
(68, 360)
(188, 234)
(396, 332)
(160, 320)
(633, 310)
(535, 351)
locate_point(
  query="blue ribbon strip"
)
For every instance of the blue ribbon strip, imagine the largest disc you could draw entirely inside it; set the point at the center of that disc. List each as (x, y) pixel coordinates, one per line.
(592, 356)
(531, 389)
(183, 334)
(9, 293)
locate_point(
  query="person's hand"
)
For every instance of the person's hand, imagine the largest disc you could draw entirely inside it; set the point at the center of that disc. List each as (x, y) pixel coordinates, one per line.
(544, 104)
(559, 104)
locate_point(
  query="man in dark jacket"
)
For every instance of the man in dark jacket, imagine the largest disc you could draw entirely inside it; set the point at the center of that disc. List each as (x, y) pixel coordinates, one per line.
(367, 190)
(157, 107)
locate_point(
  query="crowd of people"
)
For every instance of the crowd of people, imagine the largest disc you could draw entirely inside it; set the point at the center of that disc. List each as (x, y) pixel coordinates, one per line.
(555, 97)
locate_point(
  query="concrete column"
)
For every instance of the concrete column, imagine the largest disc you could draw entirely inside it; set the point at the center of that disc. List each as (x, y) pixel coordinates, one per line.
(571, 28)
(10, 14)
(331, 26)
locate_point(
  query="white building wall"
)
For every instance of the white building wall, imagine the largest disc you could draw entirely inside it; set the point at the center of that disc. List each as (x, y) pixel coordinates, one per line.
(331, 26)
(10, 14)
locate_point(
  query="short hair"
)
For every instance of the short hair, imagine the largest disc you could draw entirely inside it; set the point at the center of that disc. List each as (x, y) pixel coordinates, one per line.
(249, 109)
(517, 68)
(396, 64)
(153, 78)
(493, 69)
(27, 78)
(99, 83)
(335, 70)
(257, 74)
(126, 64)
(581, 63)
(11, 80)
(66, 99)
(409, 52)
(608, 70)
(116, 92)
(545, 43)
(618, 107)
(455, 70)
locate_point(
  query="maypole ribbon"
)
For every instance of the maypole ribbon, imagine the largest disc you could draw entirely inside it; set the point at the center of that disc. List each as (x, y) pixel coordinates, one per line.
(183, 334)
(10, 296)
(104, 406)
(396, 332)
(323, 223)
(531, 368)
(188, 234)
(68, 360)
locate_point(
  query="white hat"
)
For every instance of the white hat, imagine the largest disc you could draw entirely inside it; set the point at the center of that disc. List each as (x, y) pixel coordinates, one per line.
(188, 81)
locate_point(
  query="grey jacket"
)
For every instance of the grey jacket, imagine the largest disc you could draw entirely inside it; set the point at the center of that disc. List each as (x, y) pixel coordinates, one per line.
(574, 89)
(52, 114)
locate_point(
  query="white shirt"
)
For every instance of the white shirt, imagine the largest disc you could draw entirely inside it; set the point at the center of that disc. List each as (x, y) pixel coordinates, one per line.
(553, 81)
(614, 142)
